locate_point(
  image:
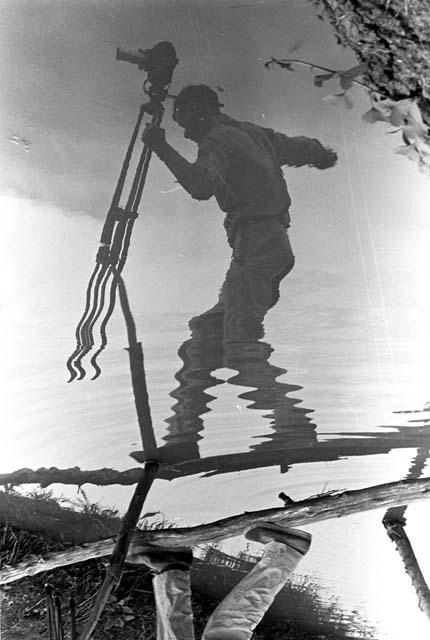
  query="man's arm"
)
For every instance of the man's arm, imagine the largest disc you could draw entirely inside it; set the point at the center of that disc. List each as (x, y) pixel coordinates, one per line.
(298, 151)
(201, 178)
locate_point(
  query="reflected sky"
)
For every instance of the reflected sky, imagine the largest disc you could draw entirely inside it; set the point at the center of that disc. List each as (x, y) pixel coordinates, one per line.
(335, 394)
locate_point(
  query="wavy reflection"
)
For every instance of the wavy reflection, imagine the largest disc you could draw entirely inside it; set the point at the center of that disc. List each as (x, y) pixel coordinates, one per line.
(292, 438)
(202, 355)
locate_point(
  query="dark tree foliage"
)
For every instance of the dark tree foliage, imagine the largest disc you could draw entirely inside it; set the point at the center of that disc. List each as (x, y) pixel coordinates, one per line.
(392, 38)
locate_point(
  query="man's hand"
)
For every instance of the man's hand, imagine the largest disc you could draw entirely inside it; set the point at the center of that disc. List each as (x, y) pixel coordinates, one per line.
(327, 160)
(155, 137)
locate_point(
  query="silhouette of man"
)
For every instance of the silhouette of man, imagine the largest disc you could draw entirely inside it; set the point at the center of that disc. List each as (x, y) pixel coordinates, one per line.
(241, 165)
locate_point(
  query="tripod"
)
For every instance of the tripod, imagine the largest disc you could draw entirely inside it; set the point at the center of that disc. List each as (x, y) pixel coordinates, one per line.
(115, 238)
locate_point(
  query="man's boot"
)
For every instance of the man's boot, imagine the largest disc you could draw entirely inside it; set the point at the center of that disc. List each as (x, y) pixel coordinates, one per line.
(172, 588)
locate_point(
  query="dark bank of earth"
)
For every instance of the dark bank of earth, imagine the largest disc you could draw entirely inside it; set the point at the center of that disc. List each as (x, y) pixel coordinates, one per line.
(298, 613)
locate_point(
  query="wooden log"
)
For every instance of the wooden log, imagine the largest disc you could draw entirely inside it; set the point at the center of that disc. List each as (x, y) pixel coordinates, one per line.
(305, 512)
(397, 534)
(394, 522)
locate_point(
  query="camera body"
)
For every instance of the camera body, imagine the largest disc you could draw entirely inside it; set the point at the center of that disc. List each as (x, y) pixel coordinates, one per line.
(158, 62)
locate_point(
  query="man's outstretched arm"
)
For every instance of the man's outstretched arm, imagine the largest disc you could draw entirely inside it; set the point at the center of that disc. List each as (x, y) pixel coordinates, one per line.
(298, 151)
(200, 178)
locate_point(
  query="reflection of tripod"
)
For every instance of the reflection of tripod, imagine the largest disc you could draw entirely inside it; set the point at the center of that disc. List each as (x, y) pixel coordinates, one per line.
(159, 64)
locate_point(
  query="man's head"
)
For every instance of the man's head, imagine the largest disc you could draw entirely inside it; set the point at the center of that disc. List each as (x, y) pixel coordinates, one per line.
(194, 109)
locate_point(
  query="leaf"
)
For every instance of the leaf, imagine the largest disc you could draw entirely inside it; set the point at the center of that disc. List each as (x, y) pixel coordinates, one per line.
(422, 145)
(347, 77)
(413, 132)
(323, 77)
(269, 63)
(129, 618)
(110, 622)
(284, 65)
(373, 115)
(410, 152)
(127, 609)
(399, 112)
(406, 139)
(384, 106)
(415, 113)
(424, 168)
(281, 63)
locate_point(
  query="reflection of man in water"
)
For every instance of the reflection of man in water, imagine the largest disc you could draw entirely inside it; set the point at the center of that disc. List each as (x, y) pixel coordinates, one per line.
(241, 165)
(238, 614)
(202, 355)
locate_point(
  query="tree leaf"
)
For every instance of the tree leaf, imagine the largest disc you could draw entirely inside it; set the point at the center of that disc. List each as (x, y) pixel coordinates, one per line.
(268, 64)
(127, 609)
(413, 132)
(374, 115)
(406, 139)
(110, 622)
(347, 77)
(281, 63)
(399, 112)
(423, 146)
(284, 65)
(415, 113)
(410, 152)
(323, 77)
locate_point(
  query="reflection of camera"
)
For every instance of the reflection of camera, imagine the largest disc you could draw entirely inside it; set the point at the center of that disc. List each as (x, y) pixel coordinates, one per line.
(136, 56)
(158, 62)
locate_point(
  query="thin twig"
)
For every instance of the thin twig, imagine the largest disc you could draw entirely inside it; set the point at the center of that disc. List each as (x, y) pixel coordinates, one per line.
(312, 65)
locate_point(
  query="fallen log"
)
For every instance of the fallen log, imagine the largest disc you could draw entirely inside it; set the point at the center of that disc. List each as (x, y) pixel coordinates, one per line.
(394, 522)
(397, 533)
(305, 512)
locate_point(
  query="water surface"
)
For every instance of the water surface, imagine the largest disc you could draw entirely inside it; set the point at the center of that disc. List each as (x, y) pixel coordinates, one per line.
(335, 396)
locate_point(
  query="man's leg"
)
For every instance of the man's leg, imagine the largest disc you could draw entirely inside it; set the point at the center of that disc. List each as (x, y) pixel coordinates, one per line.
(200, 355)
(172, 588)
(238, 614)
(172, 592)
(251, 287)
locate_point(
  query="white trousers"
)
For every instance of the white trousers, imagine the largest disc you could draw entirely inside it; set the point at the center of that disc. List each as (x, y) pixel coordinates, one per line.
(238, 614)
